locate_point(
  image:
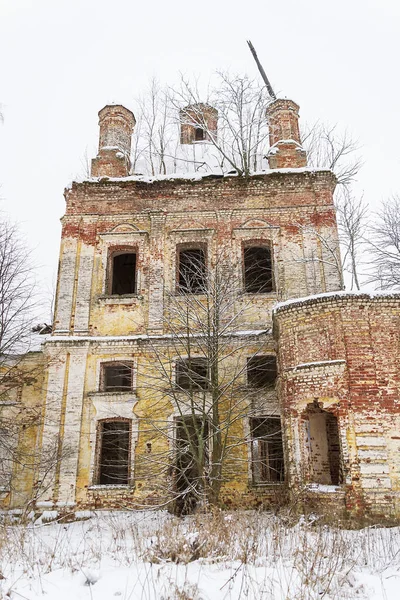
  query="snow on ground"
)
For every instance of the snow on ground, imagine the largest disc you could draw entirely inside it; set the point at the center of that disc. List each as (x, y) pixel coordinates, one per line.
(228, 556)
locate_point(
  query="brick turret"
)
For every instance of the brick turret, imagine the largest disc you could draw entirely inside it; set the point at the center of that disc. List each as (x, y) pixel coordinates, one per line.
(285, 150)
(199, 123)
(116, 126)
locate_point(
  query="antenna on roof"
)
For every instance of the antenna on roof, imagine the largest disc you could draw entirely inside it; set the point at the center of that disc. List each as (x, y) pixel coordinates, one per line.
(263, 74)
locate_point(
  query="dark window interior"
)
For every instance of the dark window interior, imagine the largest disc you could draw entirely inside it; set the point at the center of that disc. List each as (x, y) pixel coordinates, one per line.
(257, 270)
(192, 271)
(261, 371)
(267, 450)
(332, 433)
(124, 274)
(192, 373)
(114, 453)
(117, 377)
(199, 134)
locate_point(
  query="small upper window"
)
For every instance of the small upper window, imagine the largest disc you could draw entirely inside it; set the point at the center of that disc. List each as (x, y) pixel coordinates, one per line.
(192, 271)
(117, 377)
(258, 270)
(123, 280)
(261, 371)
(192, 373)
(199, 134)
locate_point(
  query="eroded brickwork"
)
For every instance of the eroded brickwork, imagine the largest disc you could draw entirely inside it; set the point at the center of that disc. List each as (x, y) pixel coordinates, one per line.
(338, 376)
(341, 353)
(224, 215)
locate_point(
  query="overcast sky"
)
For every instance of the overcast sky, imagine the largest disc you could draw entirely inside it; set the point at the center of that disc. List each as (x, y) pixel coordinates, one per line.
(62, 60)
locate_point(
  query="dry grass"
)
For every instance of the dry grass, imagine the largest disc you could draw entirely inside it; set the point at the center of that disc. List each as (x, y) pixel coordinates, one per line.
(292, 560)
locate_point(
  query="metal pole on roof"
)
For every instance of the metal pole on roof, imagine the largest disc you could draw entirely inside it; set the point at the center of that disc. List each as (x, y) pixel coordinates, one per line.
(262, 72)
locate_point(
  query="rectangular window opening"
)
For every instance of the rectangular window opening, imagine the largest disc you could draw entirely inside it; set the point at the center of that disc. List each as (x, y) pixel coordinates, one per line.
(192, 271)
(117, 377)
(114, 453)
(261, 371)
(123, 274)
(267, 450)
(258, 270)
(192, 374)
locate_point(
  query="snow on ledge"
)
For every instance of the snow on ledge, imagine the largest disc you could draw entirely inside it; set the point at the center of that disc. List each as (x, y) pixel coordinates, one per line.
(326, 489)
(319, 363)
(145, 336)
(193, 176)
(338, 294)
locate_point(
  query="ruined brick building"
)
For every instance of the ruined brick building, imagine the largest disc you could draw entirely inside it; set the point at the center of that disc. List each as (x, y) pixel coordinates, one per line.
(319, 368)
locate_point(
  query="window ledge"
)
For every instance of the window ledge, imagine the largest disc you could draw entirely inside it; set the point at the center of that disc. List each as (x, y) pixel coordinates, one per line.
(268, 485)
(195, 390)
(131, 394)
(272, 294)
(104, 487)
(123, 299)
(322, 488)
(179, 294)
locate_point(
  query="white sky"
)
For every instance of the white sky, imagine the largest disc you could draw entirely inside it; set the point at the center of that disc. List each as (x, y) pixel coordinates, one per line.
(62, 60)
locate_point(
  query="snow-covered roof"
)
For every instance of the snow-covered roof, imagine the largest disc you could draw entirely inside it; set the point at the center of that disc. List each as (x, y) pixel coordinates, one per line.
(292, 302)
(195, 176)
(145, 336)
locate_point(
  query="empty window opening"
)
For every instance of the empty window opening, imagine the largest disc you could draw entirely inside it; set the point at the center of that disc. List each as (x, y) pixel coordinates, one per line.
(123, 274)
(258, 270)
(199, 134)
(192, 271)
(192, 374)
(261, 371)
(117, 377)
(267, 450)
(191, 460)
(114, 453)
(324, 447)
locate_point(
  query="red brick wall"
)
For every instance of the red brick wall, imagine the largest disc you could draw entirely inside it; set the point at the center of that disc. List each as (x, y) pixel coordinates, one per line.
(343, 351)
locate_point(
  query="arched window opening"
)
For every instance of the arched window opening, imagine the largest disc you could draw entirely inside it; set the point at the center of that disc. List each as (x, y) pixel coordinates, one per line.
(267, 450)
(199, 134)
(123, 273)
(114, 442)
(258, 270)
(192, 277)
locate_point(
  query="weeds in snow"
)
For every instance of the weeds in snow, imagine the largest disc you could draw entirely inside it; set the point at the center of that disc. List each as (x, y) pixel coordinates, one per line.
(228, 556)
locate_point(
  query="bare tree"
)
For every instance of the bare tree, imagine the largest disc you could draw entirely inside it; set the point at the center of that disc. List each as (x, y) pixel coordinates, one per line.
(156, 134)
(18, 308)
(242, 131)
(212, 379)
(236, 143)
(352, 215)
(328, 147)
(384, 245)
(325, 253)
